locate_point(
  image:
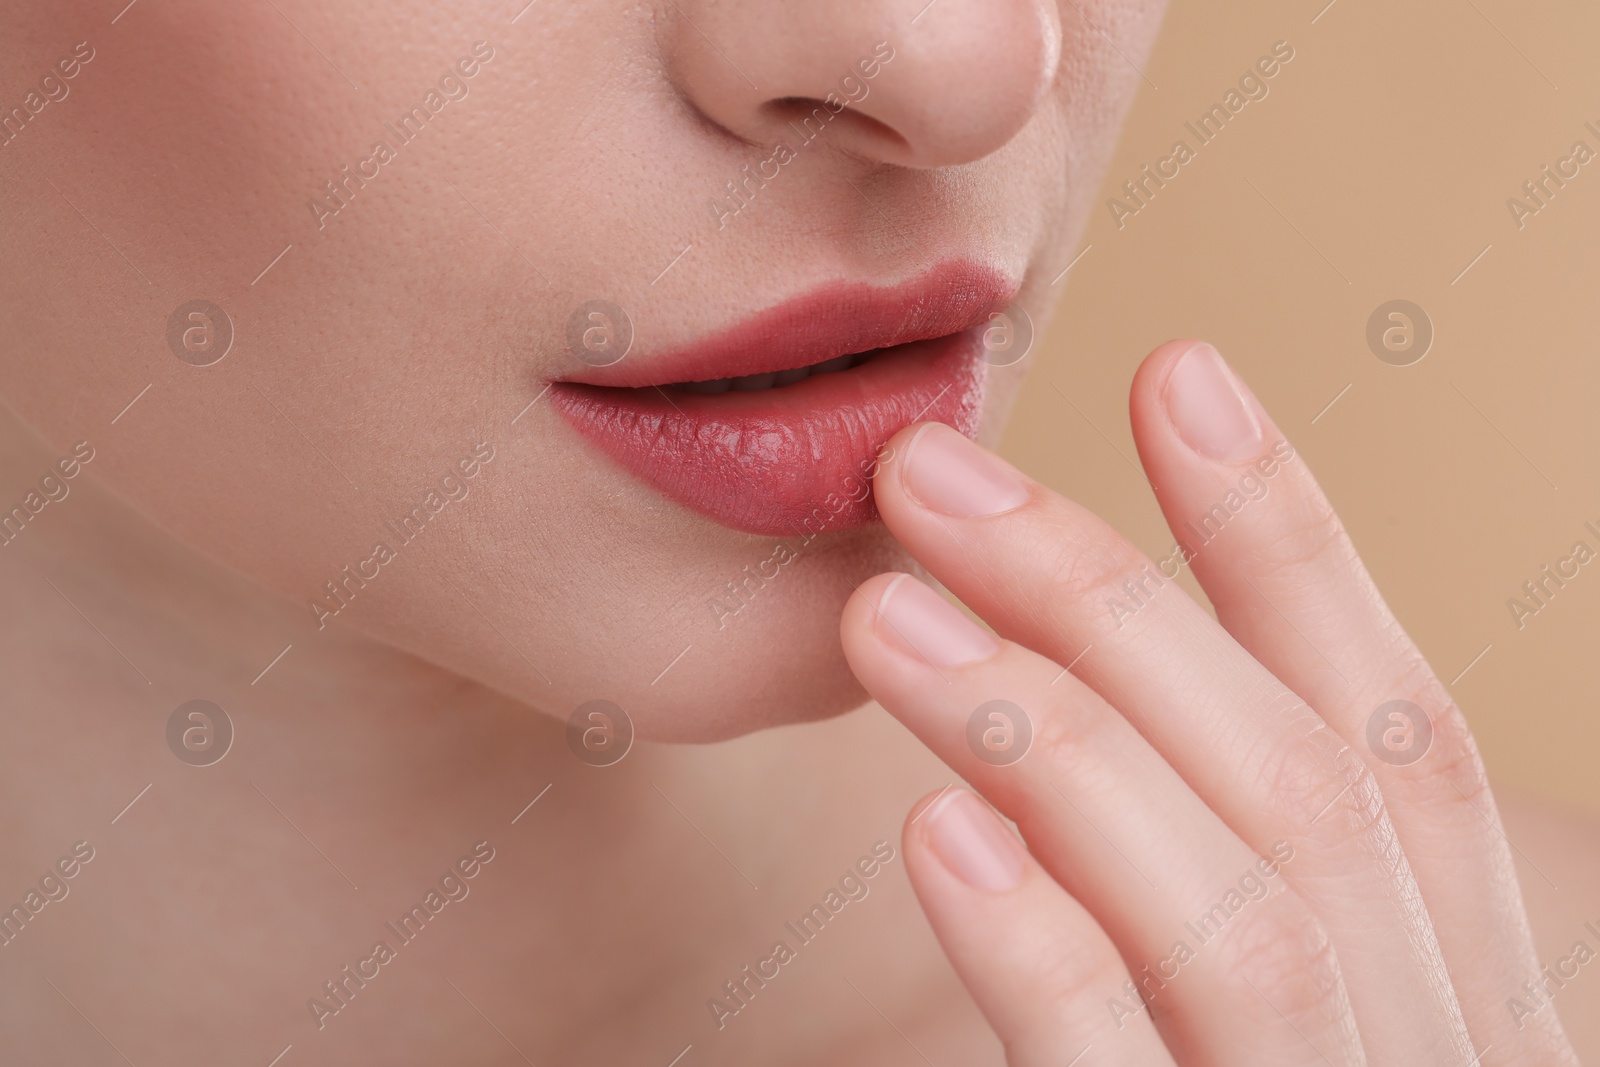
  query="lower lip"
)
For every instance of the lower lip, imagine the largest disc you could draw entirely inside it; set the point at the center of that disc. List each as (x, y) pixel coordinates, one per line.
(798, 459)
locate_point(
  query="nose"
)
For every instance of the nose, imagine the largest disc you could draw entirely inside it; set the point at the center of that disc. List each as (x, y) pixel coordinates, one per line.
(945, 85)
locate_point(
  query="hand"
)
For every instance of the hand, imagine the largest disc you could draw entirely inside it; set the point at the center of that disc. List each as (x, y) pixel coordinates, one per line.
(1261, 838)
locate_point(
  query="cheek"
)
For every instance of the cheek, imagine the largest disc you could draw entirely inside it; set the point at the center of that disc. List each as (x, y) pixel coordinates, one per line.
(408, 273)
(404, 322)
(1001, 391)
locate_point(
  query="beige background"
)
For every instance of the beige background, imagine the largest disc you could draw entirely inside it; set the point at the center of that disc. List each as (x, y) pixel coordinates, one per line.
(1391, 144)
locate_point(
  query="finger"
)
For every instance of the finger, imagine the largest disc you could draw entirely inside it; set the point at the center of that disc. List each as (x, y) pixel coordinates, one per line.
(1055, 578)
(1038, 966)
(1234, 966)
(1287, 583)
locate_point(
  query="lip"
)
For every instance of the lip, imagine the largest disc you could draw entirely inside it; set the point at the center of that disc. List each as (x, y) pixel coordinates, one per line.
(797, 459)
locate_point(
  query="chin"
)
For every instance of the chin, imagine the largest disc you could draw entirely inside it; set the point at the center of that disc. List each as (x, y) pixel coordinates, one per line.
(774, 661)
(809, 684)
(755, 441)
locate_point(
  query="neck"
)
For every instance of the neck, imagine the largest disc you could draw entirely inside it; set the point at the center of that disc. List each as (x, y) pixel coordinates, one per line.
(357, 778)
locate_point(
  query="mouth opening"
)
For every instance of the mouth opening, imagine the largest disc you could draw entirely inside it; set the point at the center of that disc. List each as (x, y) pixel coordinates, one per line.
(755, 383)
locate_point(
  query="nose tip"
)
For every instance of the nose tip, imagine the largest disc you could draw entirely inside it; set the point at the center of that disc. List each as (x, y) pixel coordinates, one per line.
(950, 85)
(966, 85)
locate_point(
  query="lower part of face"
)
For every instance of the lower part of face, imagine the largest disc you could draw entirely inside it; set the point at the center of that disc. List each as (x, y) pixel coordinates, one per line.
(348, 263)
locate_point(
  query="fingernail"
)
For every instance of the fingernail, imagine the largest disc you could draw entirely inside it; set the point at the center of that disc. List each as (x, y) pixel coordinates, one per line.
(1208, 408)
(921, 623)
(973, 844)
(955, 477)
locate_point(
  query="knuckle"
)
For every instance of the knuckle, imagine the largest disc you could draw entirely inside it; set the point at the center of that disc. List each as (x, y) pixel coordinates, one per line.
(1295, 537)
(1456, 763)
(1059, 979)
(1285, 954)
(1065, 970)
(1450, 776)
(1067, 978)
(1318, 789)
(1069, 743)
(1092, 564)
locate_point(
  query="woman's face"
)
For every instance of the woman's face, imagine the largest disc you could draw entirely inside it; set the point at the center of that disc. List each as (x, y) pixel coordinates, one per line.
(479, 265)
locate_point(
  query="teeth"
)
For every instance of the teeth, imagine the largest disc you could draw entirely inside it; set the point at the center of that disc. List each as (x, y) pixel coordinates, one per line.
(752, 383)
(721, 385)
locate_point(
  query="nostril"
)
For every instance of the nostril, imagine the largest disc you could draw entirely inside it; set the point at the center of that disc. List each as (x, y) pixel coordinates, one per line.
(809, 117)
(785, 108)
(956, 88)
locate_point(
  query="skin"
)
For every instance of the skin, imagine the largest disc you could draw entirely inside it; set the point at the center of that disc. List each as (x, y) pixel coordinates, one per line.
(1193, 746)
(386, 343)
(427, 314)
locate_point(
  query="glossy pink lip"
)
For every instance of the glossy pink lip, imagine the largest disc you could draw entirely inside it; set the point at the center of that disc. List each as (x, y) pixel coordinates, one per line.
(797, 459)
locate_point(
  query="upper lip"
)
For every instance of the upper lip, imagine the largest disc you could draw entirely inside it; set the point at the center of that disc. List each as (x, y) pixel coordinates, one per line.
(835, 319)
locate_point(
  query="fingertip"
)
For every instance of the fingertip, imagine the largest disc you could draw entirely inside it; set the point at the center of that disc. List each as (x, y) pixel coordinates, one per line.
(1162, 356)
(921, 863)
(891, 457)
(1151, 376)
(1145, 415)
(860, 611)
(967, 839)
(921, 808)
(869, 596)
(1187, 396)
(941, 472)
